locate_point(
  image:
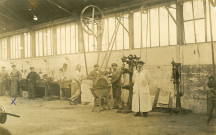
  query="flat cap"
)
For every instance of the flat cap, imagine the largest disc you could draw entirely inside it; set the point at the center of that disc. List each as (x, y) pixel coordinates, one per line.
(140, 62)
(65, 65)
(31, 67)
(114, 64)
(96, 65)
(13, 65)
(61, 69)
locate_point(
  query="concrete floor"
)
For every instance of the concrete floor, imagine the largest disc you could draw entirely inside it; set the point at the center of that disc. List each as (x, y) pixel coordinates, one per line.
(40, 117)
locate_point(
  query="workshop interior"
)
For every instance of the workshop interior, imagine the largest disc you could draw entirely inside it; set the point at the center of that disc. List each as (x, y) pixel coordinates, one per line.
(107, 57)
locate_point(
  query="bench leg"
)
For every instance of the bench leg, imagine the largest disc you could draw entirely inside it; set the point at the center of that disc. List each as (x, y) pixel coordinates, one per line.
(100, 103)
(95, 103)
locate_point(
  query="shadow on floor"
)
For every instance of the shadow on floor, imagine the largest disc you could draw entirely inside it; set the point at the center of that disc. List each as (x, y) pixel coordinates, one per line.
(4, 131)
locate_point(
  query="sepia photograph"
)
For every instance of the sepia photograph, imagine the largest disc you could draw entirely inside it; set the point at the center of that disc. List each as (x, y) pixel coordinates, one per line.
(107, 67)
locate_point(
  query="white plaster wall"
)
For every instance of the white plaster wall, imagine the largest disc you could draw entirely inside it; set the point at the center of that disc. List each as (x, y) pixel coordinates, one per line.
(158, 62)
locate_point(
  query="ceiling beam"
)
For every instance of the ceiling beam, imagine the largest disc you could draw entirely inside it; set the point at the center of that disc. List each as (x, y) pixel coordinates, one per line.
(16, 17)
(137, 4)
(131, 6)
(10, 18)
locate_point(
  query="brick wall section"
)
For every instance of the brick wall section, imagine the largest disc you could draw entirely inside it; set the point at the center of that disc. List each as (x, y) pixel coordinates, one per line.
(194, 84)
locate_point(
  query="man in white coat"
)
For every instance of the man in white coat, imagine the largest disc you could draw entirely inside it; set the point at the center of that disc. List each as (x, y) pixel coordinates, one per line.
(141, 101)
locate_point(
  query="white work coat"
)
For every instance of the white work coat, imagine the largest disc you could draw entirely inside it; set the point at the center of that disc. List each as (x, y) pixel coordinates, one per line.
(141, 101)
(77, 77)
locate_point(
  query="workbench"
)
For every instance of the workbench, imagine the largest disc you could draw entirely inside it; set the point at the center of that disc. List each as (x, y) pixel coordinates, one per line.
(62, 84)
(47, 84)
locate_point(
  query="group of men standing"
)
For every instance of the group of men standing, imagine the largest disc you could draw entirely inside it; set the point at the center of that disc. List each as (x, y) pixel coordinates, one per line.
(141, 99)
(9, 82)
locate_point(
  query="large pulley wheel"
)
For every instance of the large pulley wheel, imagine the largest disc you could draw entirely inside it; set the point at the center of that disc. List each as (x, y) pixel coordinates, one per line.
(3, 115)
(92, 20)
(100, 82)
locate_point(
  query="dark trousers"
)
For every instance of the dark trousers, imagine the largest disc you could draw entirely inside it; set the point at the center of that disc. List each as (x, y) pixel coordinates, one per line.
(4, 87)
(1, 89)
(76, 92)
(130, 99)
(14, 86)
(31, 89)
(117, 96)
(66, 92)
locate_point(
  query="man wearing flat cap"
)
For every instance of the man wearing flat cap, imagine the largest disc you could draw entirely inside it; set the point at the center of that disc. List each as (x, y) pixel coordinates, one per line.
(116, 86)
(141, 101)
(64, 74)
(4, 76)
(15, 76)
(95, 73)
(32, 79)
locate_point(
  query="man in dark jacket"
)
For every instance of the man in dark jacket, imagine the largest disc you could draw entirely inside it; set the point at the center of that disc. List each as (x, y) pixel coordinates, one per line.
(32, 78)
(116, 86)
(95, 73)
(15, 77)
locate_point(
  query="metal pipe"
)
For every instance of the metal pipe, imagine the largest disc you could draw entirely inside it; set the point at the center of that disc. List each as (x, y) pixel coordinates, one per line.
(108, 48)
(147, 34)
(150, 27)
(194, 22)
(122, 25)
(212, 43)
(159, 24)
(168, 18)
(84, 52)
(175, 23)
(172, 16)
(205, 15)
(141, 42)
(194, 19)
(55, 4)
(138, 4)
(112, 44)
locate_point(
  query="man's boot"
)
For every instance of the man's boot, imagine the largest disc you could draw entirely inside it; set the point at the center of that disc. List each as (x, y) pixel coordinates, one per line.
(145, 114)
(137, 114)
